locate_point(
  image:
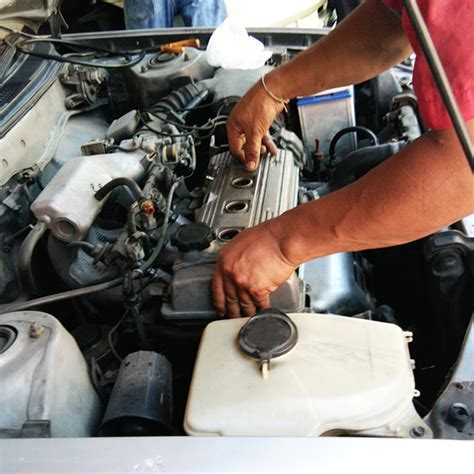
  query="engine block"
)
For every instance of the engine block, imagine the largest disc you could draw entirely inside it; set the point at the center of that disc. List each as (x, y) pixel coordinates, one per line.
(235, 200)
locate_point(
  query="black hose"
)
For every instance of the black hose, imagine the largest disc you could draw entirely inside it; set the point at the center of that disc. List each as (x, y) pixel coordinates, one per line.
(129, 62)
(159, 246)
(361, 161)
(439, 76)
(87, 246)
(25, 258)
(357, 128)
(66, 295)
(115, 183)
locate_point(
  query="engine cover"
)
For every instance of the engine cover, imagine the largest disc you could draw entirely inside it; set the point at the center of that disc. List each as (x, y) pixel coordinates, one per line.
(235, 200)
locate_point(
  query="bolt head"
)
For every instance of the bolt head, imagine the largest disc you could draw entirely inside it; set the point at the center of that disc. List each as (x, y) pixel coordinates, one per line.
(36, 330)
(418, 432)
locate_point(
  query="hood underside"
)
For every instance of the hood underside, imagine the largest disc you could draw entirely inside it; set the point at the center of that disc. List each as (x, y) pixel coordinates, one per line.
(33, 10)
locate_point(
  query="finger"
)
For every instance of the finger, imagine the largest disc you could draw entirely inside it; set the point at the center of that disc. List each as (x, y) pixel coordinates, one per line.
(218, 294)
(232, 307)
(269, 144)
(236, 142)
(252, 152)
(261, 299)
(247, 306)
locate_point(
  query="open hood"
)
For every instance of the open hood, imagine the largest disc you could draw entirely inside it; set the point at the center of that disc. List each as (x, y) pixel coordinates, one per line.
(33, 10)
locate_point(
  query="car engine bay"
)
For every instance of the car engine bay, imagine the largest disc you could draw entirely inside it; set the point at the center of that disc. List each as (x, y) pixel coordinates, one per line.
(117, 193)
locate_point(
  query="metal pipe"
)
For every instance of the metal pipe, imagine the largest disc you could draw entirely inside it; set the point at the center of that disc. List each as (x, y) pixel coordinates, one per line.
(439, 75)
(66, 295)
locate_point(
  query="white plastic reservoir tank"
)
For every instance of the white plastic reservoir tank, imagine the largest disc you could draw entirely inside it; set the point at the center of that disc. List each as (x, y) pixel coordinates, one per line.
(45, 389)
(344, 375)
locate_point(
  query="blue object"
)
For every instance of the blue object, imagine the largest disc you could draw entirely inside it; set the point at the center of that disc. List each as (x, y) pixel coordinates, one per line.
(141, 14)
(319, 99)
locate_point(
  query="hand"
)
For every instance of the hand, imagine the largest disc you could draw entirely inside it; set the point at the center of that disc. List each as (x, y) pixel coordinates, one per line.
(248, 269)
(248, 124)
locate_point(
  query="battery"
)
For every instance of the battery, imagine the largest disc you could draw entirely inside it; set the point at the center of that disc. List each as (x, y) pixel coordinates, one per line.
(323, 115)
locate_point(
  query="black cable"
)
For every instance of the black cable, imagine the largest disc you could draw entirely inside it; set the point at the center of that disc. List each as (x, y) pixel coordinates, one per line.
(71, 44)
(357, 128)
(66, 295)
(85, 245)
(146, 126)
(439, 75)
(210, 124)
(21, 48)
(115, 183)
(110, 333)
(225, 101)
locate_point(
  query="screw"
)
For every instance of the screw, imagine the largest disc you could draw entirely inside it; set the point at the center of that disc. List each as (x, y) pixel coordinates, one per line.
(417, 432)
(36, 329)
(459, 415)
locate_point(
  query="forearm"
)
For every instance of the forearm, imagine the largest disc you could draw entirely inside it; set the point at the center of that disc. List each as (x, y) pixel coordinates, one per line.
(423, 188)
(366, 43)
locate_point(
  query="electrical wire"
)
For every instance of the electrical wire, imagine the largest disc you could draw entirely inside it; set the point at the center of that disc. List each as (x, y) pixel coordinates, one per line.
(111, 332)
(205, 127)
(146, 126)
(216, 121)
(225, 101)
(69, 58)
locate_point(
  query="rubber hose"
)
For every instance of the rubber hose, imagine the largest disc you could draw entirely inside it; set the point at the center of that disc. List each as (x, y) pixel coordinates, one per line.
(115, 183)
(360, 162)
(25, 258)
(159, 246)
(366, 131)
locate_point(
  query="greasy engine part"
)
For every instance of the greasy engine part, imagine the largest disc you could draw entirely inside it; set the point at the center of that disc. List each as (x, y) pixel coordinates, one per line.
(68, 205)
(235, 200)
(155, 258)
(152, 78)
(141, 400)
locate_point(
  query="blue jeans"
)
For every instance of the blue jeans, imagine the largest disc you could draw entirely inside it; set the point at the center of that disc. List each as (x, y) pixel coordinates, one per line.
(160, 13)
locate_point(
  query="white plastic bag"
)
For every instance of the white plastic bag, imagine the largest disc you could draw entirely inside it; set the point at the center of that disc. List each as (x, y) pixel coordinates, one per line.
(230, 47)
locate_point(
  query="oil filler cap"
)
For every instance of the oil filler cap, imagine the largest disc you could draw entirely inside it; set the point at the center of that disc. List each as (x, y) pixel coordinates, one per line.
(269, 334)
(196, 236)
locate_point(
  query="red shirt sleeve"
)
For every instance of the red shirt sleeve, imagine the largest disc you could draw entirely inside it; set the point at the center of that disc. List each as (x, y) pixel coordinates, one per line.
(450, 24)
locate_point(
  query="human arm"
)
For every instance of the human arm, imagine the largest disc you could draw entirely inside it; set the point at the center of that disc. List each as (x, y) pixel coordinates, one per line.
(423, 188)
(367, 42)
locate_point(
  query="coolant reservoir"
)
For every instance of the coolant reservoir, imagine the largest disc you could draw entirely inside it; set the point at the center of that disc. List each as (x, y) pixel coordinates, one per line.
(344, 375)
